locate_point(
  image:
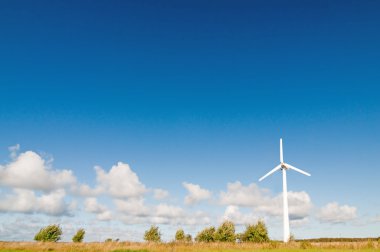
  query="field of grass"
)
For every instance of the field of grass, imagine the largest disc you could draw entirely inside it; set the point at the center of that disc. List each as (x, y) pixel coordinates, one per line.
(175, 247)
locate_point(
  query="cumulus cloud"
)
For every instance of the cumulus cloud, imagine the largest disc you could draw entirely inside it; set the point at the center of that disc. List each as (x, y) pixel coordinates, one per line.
(135, 211)
(91, 205)
(26, 201)
(245, 196)
(132, 207)
(233, 213)
(160, 194)
(119, 182)
(30, 171)
(261, 201)
(195, 193)
(32, 185)
(335, 213)
(299, 222)
(299, 205)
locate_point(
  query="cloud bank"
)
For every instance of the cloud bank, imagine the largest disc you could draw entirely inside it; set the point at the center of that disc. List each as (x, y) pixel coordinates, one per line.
(29, 184)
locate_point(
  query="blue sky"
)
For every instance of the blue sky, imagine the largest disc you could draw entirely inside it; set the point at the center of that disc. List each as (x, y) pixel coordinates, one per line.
(190, 92)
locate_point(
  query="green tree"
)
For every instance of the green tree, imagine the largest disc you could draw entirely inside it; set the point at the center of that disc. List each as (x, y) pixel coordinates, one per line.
(262, 231)
(255, 233)
(206, 235)
(226, 232)
(79, 236)
(51, 233)
(189, 238)
(180, 235)
(152, 234)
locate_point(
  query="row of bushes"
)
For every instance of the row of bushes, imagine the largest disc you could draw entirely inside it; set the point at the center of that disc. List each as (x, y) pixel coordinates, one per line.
(224, 233)
(52, 233)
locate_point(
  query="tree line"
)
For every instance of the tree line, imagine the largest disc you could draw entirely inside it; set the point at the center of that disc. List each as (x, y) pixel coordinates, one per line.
(224, 233)
(53, 233)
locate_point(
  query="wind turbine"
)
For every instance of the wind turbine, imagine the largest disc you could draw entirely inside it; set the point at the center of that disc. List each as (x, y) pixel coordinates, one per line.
(284, 166)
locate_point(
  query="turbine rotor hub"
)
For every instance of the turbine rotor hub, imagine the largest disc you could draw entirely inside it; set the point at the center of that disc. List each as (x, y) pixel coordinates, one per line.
(283, 166)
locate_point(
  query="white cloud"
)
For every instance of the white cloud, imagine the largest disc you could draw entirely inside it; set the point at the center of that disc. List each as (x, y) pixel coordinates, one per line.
(195, 193)
(299, 205)
(134, 211)
(334, 213)
(233, 213)
(299, 222)
(132, 207)
(262, 202)
(168, 211)
(85, 190)
(160, 194)
(119, 182)
(174, 215)
(26, 201)
(245, 196)
(91, 205)
(30, 171)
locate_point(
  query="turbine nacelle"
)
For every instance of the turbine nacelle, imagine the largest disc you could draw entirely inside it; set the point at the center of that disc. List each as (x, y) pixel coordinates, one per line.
(283, 166)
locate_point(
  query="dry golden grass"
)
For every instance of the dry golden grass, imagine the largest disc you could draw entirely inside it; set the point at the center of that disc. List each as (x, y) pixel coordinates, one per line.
(174, 247)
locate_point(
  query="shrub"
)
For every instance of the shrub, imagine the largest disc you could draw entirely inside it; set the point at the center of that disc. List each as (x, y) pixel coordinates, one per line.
(226, 232)
(292, 238)
(306, 245)
(79, 236)
(51, 233)
(180, 235)
(108, 240)
(189, 238)
(206, 235)
(370, 244)
(274, 244)
(152, 234)
(255, 233)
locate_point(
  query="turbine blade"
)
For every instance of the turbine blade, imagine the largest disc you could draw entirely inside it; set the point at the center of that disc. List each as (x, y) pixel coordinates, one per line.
(297, 170)
(269, 173)
(281, 153)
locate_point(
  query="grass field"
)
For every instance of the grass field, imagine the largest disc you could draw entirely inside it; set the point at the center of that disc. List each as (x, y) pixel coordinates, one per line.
(171, 247)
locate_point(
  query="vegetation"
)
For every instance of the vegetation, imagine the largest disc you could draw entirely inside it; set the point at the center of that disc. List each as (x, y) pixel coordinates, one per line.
(306, 245)
(292, 238)
(79, 236)
(185, 247)
(189, 238)
(340, 239)
(255, 233)
(206, 235)
(225, 232)
(255, 237)
(152, 234)
(51, 233)
(180, 235)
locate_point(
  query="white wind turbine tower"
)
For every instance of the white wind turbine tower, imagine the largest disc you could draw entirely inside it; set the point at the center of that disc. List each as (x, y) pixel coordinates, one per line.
(284, 166)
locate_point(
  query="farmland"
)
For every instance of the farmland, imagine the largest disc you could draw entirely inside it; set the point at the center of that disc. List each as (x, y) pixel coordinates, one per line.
(198, 247)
